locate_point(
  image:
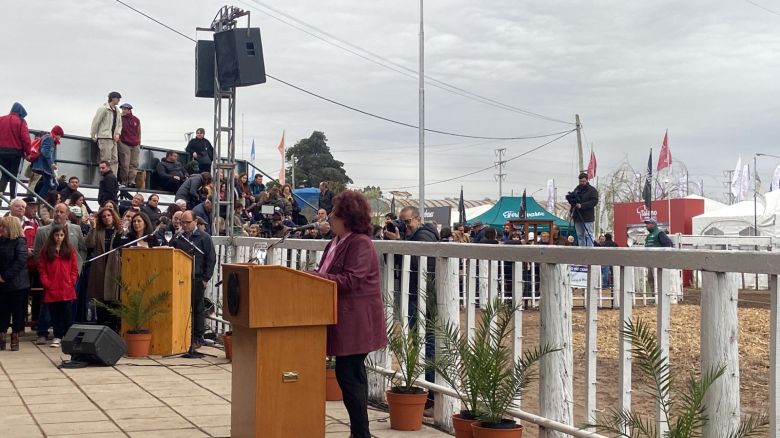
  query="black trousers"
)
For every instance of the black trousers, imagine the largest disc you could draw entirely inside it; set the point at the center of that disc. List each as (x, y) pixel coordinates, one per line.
(36, 298)
(13, 305)
(61, 317)
(351, 375)
(198, 309)
(11, 160)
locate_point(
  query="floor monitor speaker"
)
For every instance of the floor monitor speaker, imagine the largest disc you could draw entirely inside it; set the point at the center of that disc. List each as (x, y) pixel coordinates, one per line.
(239, 57)
(93, 343)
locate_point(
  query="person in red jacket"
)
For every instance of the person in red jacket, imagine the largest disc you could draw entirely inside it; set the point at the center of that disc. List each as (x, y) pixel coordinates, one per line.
(14, 144)
(129, 146)
(58, 271)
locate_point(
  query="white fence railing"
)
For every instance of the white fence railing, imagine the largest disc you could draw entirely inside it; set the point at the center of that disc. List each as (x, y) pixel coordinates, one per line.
(465, 273)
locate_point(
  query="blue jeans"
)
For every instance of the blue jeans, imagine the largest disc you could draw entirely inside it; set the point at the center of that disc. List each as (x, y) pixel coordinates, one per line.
(584, 233)
(47, 184)
(605, 276)
(44, 321)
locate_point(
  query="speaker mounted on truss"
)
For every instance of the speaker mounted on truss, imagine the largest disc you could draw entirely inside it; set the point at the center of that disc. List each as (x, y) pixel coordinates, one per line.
(239, 54)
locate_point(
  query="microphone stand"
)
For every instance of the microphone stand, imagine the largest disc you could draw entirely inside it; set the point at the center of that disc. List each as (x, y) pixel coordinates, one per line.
(117, 248)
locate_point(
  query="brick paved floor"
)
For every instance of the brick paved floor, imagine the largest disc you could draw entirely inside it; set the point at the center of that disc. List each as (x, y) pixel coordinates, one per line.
(150, 397)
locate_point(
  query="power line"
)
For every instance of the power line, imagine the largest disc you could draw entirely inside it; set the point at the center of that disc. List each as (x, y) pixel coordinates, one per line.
(392, 65)
(763, 7)
(369, 114)
(534, 149)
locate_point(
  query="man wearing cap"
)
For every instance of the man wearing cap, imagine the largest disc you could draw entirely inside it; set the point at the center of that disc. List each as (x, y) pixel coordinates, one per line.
(477, 231)
(106, 130)
(655, 237)
(129, 146)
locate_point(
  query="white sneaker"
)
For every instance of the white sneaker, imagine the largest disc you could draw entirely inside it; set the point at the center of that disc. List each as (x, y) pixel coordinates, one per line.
(55, 343)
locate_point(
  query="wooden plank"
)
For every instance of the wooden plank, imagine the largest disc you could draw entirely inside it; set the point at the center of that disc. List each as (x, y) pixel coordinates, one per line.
(471, 292)
(662, 334)
(517, 301)
(448, 308)
(593, 292)
(422, 297)
(403, 307)
(555, 376)
(719, 338)
(623, 280)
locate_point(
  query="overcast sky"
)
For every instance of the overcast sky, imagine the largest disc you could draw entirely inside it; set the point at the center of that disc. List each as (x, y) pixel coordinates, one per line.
(705, 70)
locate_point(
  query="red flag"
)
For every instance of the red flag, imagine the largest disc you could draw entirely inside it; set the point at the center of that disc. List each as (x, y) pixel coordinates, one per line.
(592, 166)
(281, 153)
(665, 157)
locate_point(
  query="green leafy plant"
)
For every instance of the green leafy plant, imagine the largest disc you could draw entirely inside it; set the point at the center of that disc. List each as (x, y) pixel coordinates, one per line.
(483, 371)
(330, 363)
(406, 343)
(685, 416)
(138, 310)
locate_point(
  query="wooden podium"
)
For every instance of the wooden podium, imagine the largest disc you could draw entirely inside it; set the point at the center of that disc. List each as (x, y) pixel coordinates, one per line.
(279, 318)
(173, 267)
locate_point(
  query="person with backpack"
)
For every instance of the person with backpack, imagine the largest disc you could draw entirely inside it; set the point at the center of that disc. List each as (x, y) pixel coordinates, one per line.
(14, 144)
(44, 164)
(58, 270)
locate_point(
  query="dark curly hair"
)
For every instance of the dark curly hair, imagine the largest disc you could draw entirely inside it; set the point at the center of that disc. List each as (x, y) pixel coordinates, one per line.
(352, 207)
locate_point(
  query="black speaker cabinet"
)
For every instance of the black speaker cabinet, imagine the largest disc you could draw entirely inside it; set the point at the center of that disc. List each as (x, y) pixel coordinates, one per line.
(239, 57)
(204, 69)
(93, 343)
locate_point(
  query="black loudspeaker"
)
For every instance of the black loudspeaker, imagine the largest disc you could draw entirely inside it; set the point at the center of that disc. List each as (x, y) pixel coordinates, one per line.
(204, 69)
(239, 57)
(93, 343)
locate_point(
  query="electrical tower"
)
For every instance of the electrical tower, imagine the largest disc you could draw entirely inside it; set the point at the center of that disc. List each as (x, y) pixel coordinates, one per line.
(729, 196)
(500, 176)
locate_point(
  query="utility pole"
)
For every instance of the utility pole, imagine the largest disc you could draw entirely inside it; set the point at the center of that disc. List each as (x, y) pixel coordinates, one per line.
(579, 141)
(728, 174)
(500, 176)
(292, 171)
(421, 128)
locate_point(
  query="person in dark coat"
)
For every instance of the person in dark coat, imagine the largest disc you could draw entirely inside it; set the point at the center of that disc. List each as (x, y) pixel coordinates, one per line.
(351, 261)
(200, 150)
(192, 189)
(44, 165)
(109, 185)
(14, 280)
(14, 144)
(326, 198)
(170, 172)
(582, 211)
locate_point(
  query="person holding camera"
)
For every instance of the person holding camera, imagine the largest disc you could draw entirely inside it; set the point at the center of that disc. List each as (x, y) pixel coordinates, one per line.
(583, 200)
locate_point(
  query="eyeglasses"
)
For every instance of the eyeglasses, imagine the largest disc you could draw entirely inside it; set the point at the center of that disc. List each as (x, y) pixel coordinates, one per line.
(409, 221)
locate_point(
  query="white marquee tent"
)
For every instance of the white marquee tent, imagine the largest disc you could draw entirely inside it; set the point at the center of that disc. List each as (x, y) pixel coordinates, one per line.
(738, 219)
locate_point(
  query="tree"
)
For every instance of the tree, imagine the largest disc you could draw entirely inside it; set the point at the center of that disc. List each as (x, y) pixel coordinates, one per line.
(314, 163)
(372, 192)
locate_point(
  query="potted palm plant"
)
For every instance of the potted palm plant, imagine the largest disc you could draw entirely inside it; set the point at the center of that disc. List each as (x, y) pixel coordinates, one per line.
(227, 342)
(406, 401)
(332, 388)
(685, 416)
(484, 373)
(137, 309)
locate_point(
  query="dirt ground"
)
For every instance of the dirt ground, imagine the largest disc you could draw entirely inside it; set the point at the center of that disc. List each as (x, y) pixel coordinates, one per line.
(684, 354)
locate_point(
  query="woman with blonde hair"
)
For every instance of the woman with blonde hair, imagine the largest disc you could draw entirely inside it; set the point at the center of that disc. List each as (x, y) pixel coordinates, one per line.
(104, 271)
(14, 280)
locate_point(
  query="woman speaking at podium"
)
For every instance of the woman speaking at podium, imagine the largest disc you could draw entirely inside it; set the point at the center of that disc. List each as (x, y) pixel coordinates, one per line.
(352, 262)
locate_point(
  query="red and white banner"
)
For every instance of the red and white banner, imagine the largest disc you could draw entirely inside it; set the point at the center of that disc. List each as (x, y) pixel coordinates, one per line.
(665, 158)
(281, 153)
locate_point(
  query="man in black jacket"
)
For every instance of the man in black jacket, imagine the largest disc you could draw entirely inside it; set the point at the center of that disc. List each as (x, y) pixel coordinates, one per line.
(190, 191)
(582, 212)
(170, 172)
(202, 269)
(109, 185)
(326, 198)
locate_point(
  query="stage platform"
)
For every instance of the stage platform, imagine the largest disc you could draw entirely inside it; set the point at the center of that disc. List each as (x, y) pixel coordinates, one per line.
(151, 397)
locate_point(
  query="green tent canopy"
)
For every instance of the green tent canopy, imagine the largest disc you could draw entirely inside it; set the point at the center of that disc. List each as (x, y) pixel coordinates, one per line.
(508, 207)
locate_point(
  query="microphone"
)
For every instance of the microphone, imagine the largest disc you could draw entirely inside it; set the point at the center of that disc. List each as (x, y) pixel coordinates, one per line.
(310, 226)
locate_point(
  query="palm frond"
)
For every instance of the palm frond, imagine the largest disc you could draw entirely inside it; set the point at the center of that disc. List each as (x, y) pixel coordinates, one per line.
(752, 425)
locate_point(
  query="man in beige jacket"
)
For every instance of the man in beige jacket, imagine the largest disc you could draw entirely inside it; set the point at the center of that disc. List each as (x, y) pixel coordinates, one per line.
(106, 129)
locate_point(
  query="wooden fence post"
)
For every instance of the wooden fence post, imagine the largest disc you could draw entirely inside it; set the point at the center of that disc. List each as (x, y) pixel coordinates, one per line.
(448, 310)
(555, 375)
(719, 337)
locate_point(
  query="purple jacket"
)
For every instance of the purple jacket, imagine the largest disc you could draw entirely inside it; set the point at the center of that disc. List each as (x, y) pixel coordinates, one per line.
(361, 316)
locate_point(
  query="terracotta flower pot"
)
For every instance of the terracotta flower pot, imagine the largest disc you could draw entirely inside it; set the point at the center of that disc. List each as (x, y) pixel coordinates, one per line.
(332, 388)
(227, 341)
(463, 426)
(510, 431)
(138, 344)
(406, 410)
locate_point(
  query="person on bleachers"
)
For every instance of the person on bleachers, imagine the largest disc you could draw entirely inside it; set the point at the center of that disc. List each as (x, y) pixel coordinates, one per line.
(70, 188)
(45, 165)
(109, 185)
(170, 172)
(137, 202)
(151, 209)
(200, 150)
(203, 211)
(192, 189)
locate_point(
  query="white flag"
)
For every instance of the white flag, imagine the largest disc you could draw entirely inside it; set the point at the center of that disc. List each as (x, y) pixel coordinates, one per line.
(682, 186)
(775, 180)
(603, 225)
(745, 182)
(551, 196)
(736, 180)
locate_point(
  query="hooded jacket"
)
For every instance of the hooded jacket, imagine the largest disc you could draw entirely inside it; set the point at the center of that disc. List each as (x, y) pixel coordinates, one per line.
(14, 134)
(589, 197)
